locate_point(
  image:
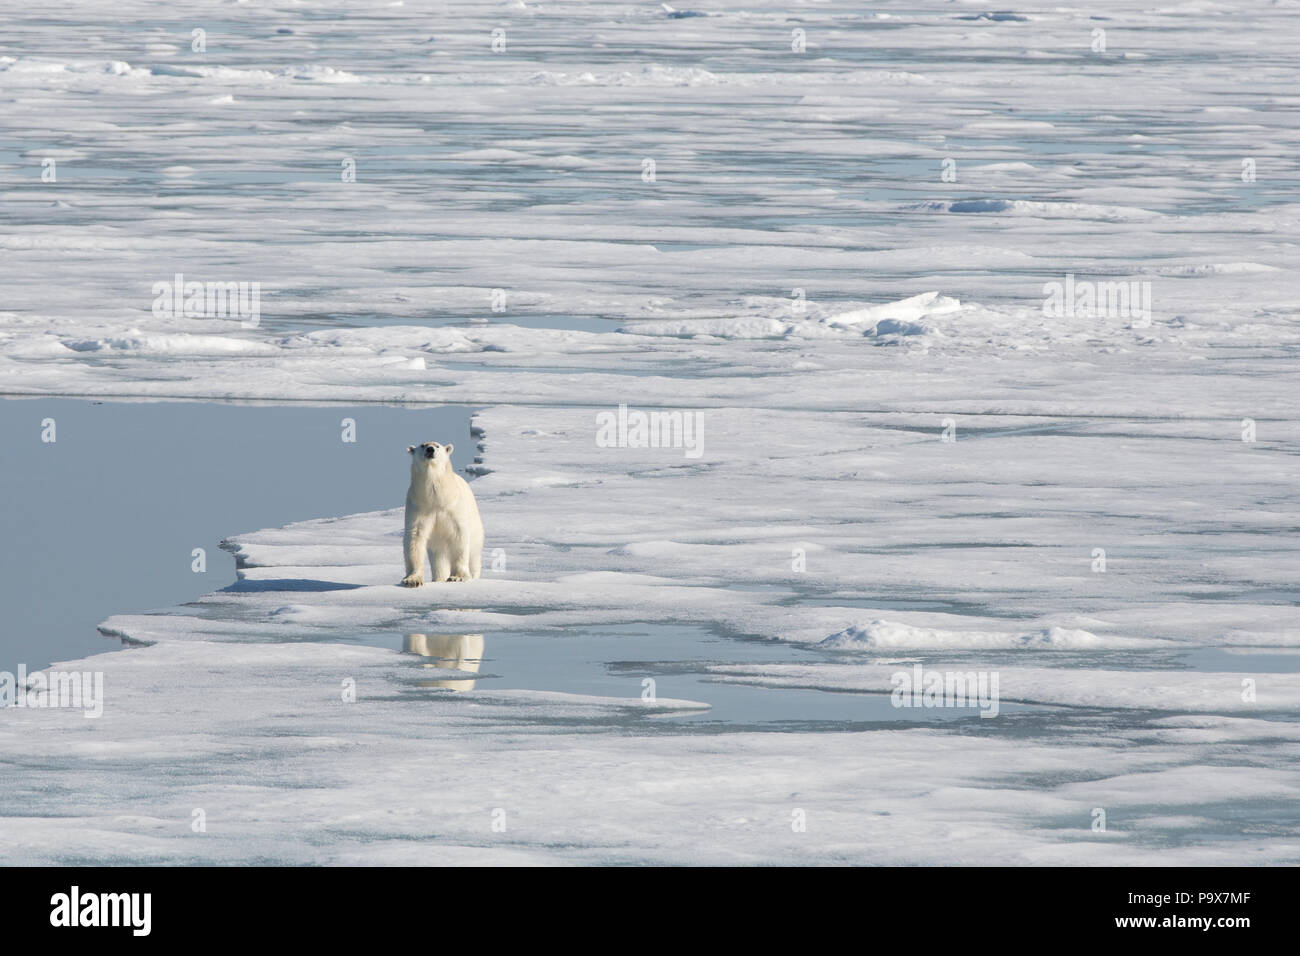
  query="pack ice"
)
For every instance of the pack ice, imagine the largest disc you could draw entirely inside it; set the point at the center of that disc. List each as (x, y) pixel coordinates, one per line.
(836, 260)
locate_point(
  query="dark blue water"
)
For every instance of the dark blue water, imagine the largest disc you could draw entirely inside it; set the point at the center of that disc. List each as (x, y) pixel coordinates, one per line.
(104, 519)
(671, 660)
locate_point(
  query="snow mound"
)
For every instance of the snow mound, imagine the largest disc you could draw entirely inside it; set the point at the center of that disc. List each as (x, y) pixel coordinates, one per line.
(1039, 210)
(1211, 269)
(891, 634)
(903, 317)
(652, 75)
(170, 345)
(38, 65)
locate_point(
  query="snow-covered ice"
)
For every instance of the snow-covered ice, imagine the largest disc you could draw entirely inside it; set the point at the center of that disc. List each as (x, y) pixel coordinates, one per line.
(905, 458)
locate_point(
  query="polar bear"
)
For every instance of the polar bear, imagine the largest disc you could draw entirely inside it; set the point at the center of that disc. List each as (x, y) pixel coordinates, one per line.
(441, 518)
(455, 652)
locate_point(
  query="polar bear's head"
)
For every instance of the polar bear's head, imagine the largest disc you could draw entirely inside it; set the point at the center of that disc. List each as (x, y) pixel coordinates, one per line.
(430, 455)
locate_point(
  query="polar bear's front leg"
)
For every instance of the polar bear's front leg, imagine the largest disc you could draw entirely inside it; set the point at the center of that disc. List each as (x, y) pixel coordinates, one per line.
(416, 541)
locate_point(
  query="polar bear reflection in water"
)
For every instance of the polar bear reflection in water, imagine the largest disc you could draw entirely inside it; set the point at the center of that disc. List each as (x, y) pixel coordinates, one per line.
(459, 652)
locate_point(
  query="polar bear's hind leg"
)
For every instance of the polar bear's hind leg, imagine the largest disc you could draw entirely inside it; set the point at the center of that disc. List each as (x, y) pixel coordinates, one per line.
(440, 561)
(460, 572)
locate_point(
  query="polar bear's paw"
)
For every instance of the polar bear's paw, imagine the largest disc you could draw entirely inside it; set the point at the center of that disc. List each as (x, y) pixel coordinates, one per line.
(413, 580)
(458, 577)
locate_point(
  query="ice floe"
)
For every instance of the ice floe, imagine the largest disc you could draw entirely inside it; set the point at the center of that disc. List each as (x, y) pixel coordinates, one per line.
(907, 460)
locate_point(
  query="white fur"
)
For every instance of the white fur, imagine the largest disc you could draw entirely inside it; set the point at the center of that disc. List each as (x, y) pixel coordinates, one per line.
(441, 518)
(457, 652)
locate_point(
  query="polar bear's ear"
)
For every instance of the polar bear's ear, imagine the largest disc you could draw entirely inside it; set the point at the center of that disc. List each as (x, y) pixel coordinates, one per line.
(410, 448)
(449, 448)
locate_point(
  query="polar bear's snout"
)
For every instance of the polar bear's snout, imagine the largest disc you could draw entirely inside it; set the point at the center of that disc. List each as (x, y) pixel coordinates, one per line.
(428, 448)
